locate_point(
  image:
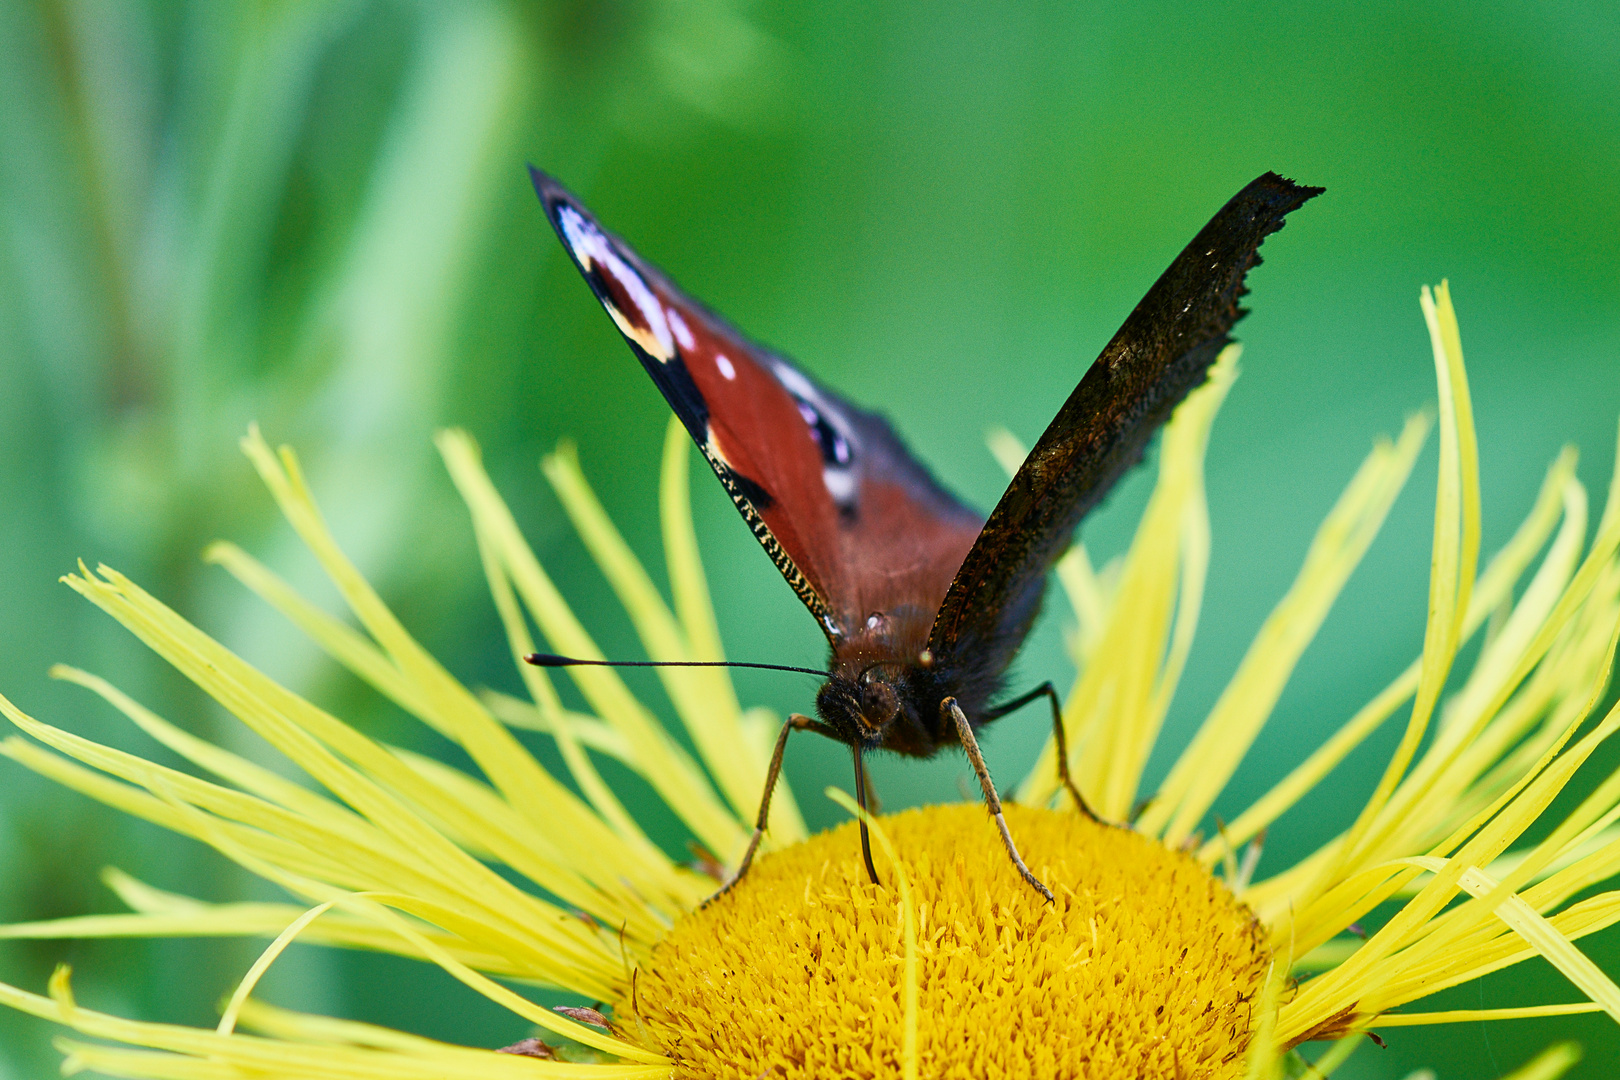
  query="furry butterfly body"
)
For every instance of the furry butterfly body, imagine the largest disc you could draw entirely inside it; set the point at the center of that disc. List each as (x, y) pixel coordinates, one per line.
(924, 603)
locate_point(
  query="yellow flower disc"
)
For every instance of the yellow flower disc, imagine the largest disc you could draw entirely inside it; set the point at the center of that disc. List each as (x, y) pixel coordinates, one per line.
(1145, 966)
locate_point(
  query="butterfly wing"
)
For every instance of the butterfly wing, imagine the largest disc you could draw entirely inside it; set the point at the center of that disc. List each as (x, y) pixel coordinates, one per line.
(1161, 353)
(845, 512)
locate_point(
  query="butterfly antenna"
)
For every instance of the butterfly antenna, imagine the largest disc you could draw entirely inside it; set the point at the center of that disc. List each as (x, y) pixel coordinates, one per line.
(553, 660)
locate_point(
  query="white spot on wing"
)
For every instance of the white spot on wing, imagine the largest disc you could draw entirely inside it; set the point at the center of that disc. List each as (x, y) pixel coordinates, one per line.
(683, 333)
(723, 362)
(594, 250)
(840, 473)
(840, 485)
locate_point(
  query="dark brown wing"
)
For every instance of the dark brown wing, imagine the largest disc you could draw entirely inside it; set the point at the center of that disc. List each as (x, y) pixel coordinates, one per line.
(1161, 353)
(854, 523)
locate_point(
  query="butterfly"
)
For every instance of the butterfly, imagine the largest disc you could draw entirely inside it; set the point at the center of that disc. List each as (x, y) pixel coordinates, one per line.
(924, 603)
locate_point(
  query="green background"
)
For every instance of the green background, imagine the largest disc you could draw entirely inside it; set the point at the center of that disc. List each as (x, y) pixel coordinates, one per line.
(317, 217)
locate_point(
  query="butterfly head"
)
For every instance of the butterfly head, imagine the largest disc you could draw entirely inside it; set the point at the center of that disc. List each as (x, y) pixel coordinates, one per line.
(863, 706)
(879, 702)
(882, 691)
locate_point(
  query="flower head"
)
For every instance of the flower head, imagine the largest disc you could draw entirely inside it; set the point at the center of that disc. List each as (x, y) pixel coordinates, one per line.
(1162, 954)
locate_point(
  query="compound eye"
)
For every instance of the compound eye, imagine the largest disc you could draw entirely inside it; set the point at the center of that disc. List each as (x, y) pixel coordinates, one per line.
(878, 703)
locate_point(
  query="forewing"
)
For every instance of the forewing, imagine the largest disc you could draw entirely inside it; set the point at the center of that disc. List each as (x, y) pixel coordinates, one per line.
(853, 522)
(1161, 353)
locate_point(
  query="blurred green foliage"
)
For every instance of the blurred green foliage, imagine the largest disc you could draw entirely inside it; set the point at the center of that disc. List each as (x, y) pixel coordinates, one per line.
(316, 216)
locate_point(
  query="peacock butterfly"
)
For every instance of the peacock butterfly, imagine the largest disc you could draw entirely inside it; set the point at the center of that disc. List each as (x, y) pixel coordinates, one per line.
(923, 602)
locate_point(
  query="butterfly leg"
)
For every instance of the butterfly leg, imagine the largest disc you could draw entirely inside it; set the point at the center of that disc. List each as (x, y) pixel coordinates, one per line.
(794, 723)
(1058, 735)
(964, 732)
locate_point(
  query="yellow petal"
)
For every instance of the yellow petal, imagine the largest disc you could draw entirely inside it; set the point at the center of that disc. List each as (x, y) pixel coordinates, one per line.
(677, 779)
(1207, 764)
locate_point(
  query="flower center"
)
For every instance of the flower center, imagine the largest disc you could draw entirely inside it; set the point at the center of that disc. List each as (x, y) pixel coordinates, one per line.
(1145, 965)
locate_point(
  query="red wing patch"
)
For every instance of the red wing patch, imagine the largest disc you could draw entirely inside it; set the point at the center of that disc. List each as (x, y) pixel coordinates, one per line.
(853, 522)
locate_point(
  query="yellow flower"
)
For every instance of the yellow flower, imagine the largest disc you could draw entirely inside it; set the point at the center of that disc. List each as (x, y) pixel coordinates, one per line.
(1162, 956)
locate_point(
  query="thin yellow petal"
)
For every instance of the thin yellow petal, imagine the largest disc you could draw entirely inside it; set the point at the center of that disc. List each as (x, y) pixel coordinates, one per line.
(260, 920)
(1346, 986)
(569, 743)
(1538, 784)
(339, 640)
(1265, 1048)
(364, 659)
(1444, 320)
(591, 732)
(379, 907)
(325, 1063)
(278, 1057)
(236, 770)
(292, 1026)
(1469, 1016)
(1225, 736)
(704, 697)
(1447, 589)
(678, 780)
(1495, 586)
(482, 906)
(227, 1021)
(1575, 965)
(457, 711)
(689, 587)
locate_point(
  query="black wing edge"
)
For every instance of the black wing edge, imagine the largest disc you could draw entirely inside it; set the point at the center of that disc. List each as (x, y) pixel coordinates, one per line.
(672, 380)
(1161, 353)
